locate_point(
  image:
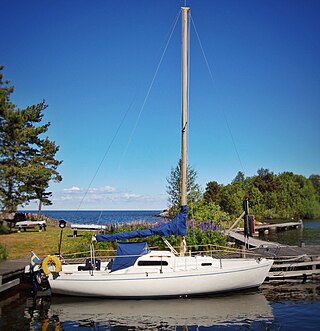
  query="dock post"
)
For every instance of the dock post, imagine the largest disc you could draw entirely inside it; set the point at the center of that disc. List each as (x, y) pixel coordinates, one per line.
(243, 251)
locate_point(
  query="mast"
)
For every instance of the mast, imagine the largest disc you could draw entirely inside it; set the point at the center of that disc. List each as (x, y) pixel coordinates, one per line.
(185, 38)
(185, 34)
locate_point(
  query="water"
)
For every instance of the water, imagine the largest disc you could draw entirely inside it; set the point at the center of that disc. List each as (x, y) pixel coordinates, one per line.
(103, 217)
(275, 306)
(262, 309)
(309, 234)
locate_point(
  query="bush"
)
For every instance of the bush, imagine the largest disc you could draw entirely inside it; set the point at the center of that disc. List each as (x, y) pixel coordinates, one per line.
(4, 229)
(3, 253)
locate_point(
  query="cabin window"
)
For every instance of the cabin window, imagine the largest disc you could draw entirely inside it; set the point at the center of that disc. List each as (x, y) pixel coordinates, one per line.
(152, 263)
(206, 264)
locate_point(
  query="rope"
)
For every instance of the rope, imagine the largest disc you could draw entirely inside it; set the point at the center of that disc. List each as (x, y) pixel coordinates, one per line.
(126, 113)
(151, 85)
(212, 80)
(105, 155)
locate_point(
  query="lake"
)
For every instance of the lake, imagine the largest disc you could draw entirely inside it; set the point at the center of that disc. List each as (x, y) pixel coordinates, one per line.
(103, 217)
(285, 306)
(275, 306)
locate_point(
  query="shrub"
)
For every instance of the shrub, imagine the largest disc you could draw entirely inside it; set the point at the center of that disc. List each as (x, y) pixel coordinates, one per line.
(4, 229)
(3, 253)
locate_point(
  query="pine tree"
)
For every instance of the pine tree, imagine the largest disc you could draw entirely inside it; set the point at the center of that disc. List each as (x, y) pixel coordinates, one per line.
(174, 187)
(27, 161)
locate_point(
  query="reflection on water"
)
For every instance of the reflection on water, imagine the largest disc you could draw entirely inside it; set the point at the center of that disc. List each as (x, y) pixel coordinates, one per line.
(277, 306)
(176, 314)
(309, 234)
(142, 314)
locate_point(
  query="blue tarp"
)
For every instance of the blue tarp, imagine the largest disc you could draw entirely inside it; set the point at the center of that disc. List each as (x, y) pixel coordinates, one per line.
(127, 254)
(176, 227)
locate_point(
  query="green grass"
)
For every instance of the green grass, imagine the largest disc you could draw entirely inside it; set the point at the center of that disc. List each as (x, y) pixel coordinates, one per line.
(19, 244)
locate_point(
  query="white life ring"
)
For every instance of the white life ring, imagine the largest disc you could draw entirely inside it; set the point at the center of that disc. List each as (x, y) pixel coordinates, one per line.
(51, 264)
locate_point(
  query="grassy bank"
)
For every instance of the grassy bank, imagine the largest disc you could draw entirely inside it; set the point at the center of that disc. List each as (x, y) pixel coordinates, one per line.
(200, 236)
(19, 244)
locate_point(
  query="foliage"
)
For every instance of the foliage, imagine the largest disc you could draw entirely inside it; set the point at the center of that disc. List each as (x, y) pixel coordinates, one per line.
(212, 192)
(199, 233)
(239, 178)
(4, 230)
(207, 211)
(3, 253)
(315, 180)
(271, 196)
(27, 162)
(174, 187)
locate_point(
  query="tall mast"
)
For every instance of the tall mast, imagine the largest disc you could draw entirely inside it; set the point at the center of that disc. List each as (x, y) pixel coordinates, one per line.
(185, 34)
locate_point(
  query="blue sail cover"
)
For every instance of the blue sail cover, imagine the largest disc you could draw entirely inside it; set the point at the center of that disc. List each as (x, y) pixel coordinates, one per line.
(176, 227)
(127, 254)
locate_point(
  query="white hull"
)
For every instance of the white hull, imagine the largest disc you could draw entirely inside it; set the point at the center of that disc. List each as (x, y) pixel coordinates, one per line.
(182, 276)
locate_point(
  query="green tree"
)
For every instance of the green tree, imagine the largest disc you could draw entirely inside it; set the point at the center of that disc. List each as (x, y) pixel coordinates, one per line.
(265, 181)
(207, 211)
(26, 160)
(315, 180)
(174, 187)
(43, 169)
(271, 196)
(212, 192)
(239, 178)
(5, 91)
(231, 198)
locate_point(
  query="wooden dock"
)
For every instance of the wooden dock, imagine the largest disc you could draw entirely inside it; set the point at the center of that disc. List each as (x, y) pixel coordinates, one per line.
(289, 261)
(10, 272)
(249, 242)
(266, 228)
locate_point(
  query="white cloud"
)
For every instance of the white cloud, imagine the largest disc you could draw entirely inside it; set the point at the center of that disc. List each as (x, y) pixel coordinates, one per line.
(91, 190)
(104, 189)
(104, 197)
(72, 189)
(128, 196)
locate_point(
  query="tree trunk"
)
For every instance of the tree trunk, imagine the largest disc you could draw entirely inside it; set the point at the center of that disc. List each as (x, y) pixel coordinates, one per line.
(39, 210)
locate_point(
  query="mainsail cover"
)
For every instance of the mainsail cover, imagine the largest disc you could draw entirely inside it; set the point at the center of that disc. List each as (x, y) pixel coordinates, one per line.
(127, 254)
(176, 227)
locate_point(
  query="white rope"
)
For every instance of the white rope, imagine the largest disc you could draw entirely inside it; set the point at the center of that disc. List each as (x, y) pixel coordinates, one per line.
(105, 155)
(151, 85)
(212, 80)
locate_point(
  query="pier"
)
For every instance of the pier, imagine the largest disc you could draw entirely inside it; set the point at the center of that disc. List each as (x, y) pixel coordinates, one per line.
(266, 228)
(289, 261)
(10, 273)
(249, 242)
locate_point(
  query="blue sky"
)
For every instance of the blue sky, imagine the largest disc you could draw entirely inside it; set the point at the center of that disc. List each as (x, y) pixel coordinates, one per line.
(93, 62)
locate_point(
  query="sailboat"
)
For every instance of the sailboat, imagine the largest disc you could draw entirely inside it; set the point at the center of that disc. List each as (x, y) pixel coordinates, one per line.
(138, 272)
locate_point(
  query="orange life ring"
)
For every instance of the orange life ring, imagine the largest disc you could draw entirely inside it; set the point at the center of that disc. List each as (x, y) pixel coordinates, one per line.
(51, 264)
